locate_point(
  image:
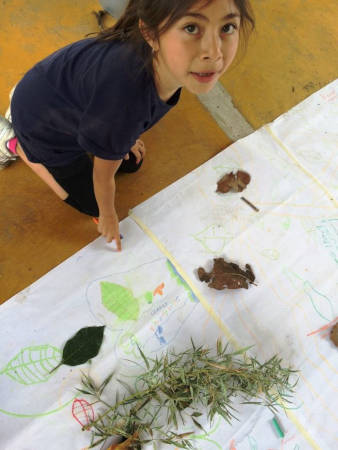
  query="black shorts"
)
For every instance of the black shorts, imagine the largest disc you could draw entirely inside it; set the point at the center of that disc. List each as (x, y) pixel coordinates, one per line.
(77, 180)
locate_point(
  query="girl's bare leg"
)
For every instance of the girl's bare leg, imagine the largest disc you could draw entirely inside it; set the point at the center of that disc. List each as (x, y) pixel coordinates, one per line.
(43, 173)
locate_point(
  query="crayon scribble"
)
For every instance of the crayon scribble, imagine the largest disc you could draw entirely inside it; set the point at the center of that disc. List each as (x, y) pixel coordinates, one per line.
(158, 334)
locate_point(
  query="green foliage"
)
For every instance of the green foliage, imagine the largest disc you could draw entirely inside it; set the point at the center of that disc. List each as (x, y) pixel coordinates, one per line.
(197, 378)
(84, 345)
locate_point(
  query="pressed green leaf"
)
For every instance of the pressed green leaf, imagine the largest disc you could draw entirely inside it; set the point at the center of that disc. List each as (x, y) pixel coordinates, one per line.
(84, 345)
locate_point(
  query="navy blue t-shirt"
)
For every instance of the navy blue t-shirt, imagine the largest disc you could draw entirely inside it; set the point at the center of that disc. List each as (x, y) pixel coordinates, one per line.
(91, 97)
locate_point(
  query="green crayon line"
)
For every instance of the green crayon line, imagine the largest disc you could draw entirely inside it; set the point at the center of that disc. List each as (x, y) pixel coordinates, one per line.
(8, 413)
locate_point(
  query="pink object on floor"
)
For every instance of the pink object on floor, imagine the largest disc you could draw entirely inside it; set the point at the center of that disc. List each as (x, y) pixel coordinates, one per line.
(11, 145)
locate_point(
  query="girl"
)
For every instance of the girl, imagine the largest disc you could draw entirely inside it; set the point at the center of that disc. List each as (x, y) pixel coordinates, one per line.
(98, 95)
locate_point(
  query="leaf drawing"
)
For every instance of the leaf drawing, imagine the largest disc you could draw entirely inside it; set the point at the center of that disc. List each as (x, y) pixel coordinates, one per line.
(82, 412)
(120, 301)
(214, 238)
(33, 365)
(84, 345)
(320, 302)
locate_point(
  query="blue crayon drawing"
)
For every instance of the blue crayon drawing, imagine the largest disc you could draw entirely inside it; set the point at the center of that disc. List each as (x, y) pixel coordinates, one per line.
(158, 334)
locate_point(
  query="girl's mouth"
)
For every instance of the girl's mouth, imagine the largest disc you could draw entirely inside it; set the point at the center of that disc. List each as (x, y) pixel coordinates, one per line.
(204, 77)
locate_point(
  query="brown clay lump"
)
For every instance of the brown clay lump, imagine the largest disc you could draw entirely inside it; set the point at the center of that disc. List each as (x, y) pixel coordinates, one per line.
(235, 181)
(227, 275)
(334, 335)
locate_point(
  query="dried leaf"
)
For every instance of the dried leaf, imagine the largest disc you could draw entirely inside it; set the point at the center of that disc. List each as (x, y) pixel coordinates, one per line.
(227, 275)
(233, 181)
(334, 335)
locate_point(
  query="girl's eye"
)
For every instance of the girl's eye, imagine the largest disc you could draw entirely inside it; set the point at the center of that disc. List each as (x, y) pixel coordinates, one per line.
(191, 29)
(229, 28)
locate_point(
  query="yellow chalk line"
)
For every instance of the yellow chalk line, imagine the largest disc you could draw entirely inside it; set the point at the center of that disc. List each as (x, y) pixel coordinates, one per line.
(213, 314)
(308, 173)
(185, 277)
(292, 416)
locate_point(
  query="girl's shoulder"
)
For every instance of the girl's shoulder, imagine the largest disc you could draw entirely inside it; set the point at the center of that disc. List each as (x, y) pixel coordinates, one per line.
(116, 63)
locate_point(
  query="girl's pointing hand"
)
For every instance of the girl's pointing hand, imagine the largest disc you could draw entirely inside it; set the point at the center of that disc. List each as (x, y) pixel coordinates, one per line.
(108, 226)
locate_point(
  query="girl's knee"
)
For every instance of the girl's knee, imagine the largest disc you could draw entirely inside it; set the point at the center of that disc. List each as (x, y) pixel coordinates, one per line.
(130, 165)
(90, 209)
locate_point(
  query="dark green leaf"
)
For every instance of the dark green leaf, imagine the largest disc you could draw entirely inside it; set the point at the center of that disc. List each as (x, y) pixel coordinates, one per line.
(143, 356)
(242, 350)
(126, 385)
(84, 345)
(198, 424)
(105, 382)
(84, 392)
(219, 346)
(94, 444)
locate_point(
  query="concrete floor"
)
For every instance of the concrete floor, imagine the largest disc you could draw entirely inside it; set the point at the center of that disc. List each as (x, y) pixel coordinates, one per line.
(292, 54)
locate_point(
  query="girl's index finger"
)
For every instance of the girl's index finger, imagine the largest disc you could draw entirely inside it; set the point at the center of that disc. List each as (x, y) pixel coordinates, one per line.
(118, 243)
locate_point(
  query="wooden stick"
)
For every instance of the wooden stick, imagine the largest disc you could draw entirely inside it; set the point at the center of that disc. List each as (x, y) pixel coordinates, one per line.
(250, 204)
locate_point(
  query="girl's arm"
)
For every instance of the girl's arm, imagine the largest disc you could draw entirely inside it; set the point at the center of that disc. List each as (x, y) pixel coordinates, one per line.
(104, 188)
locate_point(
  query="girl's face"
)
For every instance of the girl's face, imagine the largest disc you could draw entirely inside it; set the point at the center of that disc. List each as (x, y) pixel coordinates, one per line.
(196, 50)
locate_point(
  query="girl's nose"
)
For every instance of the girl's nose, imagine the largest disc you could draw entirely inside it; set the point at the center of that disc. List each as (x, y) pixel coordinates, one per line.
(211, 47)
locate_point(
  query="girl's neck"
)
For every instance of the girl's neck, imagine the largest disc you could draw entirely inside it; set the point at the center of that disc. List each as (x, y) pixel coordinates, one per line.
(164, 86)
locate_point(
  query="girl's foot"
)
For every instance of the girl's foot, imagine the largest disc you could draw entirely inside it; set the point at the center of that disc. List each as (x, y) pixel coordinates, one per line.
(11, 145)
(6, 134)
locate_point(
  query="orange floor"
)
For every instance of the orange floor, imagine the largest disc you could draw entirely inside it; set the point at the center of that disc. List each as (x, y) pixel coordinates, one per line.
(292, 54)
(38, 231)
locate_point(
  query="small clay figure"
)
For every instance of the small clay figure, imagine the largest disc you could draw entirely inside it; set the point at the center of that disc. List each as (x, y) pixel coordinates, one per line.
(227, 275)
(235, 181)
(334, 335)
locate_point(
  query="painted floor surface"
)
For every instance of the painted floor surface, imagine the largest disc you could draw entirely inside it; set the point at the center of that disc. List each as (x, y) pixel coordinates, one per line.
(291, 55)
(38, 231)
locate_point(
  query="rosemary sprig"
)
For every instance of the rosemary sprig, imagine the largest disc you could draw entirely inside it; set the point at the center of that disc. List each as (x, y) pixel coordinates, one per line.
(206, 381)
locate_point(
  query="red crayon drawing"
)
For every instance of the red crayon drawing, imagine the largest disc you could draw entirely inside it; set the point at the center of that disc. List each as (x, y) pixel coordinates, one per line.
(325, 327)
(82, 412)
(232, 445)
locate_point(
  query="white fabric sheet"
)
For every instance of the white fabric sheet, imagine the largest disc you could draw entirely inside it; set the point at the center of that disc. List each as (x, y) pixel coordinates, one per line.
(291, 244)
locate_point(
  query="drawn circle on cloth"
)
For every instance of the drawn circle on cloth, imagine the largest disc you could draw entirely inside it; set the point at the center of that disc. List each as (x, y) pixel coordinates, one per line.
(123, 300)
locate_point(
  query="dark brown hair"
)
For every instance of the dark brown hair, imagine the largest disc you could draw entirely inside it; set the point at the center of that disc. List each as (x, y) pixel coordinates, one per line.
(153, 13)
